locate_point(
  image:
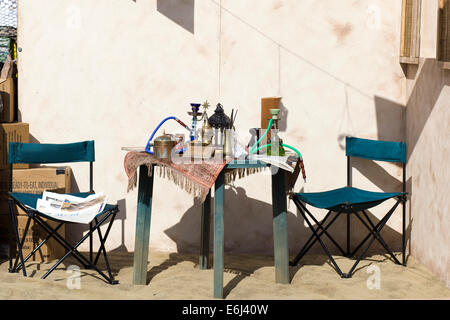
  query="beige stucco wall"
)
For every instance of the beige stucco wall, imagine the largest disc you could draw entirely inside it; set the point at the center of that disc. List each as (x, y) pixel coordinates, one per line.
(110, 70)
(428, 138)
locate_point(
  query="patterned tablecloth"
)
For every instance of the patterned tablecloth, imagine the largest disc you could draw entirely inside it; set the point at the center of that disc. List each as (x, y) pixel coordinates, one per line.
(195, 178)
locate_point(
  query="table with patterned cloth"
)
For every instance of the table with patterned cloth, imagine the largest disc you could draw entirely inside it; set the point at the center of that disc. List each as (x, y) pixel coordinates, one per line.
(198, 179)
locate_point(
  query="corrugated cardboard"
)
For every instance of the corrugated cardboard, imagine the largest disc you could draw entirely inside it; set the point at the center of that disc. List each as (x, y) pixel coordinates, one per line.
(267, 104)
(36, 180)
(12, 132)
(7, 93)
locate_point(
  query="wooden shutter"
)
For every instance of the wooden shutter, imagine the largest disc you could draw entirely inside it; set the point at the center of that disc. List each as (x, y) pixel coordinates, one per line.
(410, 37)
(444, 31)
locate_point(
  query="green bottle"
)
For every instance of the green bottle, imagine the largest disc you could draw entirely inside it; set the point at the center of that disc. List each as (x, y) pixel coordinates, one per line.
(281, 151)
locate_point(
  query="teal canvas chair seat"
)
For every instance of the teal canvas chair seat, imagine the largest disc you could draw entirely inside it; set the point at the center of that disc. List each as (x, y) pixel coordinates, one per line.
(349, 200)
(56, 153)
(337, 199)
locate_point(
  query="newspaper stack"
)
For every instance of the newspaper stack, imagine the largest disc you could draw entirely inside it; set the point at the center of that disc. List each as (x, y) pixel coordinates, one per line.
(70, 208)
(287, 162)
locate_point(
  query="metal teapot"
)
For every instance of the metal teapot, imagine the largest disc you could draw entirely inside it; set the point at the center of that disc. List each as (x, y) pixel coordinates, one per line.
(163, 146)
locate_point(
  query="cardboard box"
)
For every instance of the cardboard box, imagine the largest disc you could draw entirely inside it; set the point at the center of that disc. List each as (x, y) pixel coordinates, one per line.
(267, 104)
(35, 180)
(38, 180)
(51, 250)
(12, 132)
(7, 92)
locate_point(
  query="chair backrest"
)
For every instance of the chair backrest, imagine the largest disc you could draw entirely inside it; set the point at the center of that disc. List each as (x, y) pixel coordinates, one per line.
(51, 153)
(42, 153)
(375, 150)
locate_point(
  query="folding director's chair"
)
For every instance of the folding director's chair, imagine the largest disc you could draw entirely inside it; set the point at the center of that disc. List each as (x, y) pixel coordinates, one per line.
(55, 153)
(350, 200)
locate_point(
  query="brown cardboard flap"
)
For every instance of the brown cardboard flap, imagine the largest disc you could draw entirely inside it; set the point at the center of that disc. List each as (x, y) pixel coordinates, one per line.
(267, 104)
(12, 132)
(35, 180)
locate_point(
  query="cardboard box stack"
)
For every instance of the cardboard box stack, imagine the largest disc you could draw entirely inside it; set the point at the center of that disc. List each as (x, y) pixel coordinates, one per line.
(28, 180)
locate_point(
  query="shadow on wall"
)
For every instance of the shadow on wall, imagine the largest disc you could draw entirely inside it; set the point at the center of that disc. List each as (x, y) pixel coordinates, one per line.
(33, 139)
(377, 175)
(427, 89)
(424, 95)
(248, 228)
(284, 112)
(430, 79)
(246, 223)
(423, 98)
(179, 11)
(391, 120)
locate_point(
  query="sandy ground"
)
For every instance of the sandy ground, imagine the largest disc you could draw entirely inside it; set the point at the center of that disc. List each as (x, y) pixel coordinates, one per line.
(177, 276)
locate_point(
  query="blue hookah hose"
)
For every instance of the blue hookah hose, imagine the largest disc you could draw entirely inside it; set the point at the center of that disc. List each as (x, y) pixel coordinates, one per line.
(147, 147)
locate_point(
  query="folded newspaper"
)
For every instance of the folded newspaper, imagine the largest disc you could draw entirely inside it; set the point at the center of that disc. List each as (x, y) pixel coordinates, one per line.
(70, 208)
(287, 162)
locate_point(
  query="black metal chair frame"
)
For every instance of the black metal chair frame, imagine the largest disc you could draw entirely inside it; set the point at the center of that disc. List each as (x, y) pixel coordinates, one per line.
(374, 230)
(34, 215)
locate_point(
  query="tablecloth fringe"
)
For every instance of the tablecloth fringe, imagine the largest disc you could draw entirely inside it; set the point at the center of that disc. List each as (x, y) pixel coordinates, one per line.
(182, 181)
(192, 188)
(230, 175)
(179, 179)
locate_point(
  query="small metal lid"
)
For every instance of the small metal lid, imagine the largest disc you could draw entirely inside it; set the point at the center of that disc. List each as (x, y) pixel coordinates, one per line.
(164, 138)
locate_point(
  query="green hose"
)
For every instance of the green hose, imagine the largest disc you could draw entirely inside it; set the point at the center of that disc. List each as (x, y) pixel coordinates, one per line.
(269, 126)
(253, 150)
(284, 145)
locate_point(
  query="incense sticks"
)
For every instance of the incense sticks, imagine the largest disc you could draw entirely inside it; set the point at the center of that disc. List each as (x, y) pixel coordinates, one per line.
(233, 118)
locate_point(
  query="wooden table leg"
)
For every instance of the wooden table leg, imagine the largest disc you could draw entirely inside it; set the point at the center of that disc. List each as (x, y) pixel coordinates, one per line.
(143, 219)
(219, 198)
(204, 234)
(280, 232)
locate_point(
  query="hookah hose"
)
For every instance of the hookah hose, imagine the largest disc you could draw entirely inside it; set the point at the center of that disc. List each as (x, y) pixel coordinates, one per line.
(147, 147)
(255, 149)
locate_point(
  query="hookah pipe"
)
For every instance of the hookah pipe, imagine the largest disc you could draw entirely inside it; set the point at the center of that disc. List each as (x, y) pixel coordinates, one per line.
(192, 130)
(269, 127)
(194, 113)
(147, 147)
